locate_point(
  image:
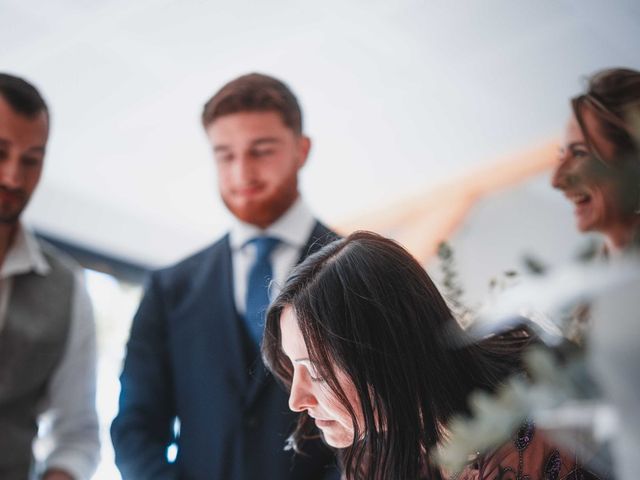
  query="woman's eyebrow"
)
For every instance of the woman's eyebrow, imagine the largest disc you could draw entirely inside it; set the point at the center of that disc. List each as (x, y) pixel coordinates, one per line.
(300, 360)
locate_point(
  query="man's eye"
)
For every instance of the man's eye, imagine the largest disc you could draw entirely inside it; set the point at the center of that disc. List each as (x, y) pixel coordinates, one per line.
(263, 152)
(224, 158)
(31, 161)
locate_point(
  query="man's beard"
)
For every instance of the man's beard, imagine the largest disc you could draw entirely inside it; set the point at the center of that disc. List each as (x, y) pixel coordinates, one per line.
(10, 211)
(264, 213)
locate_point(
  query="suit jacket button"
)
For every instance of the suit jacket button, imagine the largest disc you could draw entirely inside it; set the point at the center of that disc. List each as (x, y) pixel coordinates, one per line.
(251, 422)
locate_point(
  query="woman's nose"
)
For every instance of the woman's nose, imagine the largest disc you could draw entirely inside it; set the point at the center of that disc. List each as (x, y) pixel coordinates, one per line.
(562, 176)
(558, 177)
(301, 397)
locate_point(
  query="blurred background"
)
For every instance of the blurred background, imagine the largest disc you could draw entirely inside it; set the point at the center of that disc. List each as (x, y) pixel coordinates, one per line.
(431, 120)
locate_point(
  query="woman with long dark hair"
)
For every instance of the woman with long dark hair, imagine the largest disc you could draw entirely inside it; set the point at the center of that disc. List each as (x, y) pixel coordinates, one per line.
(599, 164)
(373, 357)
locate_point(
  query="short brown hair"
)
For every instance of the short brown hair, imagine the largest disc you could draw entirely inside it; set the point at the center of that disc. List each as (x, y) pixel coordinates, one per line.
(255, 92)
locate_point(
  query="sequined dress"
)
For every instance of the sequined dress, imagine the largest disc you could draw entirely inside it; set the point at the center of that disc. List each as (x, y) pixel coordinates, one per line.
(529, 456)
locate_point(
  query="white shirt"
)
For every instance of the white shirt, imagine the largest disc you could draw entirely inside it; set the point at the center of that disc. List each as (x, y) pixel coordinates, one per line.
(72, 436)
(293, 229)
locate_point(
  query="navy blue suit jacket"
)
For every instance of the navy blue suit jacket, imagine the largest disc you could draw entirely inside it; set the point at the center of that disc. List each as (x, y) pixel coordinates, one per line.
(190, 356)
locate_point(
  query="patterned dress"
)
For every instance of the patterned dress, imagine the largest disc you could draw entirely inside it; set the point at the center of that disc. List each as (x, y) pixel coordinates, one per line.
(528, 457)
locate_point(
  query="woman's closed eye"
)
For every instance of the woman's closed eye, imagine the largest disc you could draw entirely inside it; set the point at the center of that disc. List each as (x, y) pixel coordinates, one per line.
(311, 371)
(316, 378)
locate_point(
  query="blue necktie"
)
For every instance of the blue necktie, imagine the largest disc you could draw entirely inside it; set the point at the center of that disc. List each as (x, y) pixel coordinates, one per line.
(258, 286)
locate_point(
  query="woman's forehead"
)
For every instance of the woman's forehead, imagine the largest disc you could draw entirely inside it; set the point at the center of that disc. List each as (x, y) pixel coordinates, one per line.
(572, 132)
(290, 335)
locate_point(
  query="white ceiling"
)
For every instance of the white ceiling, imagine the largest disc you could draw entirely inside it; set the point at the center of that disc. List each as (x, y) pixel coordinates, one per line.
(398, 95)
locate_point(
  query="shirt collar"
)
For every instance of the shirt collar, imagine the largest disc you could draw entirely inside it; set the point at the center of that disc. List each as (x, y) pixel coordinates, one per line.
(293, 227)
(24, 255)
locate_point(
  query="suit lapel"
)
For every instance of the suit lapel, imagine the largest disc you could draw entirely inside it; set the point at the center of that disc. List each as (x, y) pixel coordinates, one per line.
(320, 236)
(223, 332)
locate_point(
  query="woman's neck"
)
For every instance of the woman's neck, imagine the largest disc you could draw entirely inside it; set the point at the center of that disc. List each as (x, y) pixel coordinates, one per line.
(623, 238)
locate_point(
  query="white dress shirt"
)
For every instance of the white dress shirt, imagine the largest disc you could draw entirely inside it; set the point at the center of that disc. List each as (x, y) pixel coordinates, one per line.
(293, 229)
(72, 436)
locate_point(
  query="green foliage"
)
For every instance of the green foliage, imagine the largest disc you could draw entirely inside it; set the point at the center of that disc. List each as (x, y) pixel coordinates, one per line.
(534, 265)
(452, 290)
(494, 418)
(555, 375)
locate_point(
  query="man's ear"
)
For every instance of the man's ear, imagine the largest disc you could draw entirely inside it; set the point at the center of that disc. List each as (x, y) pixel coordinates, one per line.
(304, 148)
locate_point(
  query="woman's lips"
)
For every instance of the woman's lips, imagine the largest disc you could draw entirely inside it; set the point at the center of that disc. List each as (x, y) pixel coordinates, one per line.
(323, 423)
(582, 208)
(320, 422)
(580, 200)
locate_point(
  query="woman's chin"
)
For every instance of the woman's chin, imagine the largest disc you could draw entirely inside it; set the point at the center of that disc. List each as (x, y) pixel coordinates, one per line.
(336, 443)
(336, 439)
(584, 223)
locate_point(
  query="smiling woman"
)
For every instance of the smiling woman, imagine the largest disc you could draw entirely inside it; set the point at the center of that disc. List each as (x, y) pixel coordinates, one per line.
(599, 164)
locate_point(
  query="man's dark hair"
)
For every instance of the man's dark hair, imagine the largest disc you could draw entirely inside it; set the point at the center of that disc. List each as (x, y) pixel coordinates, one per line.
(22, 96)
(255, 92)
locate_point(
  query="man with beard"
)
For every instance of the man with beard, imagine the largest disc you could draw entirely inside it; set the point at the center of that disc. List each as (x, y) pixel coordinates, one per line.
(193, 376)
(47, 335)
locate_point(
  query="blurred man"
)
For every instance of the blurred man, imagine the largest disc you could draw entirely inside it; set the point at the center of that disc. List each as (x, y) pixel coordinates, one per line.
(193, 354)
(47, 334)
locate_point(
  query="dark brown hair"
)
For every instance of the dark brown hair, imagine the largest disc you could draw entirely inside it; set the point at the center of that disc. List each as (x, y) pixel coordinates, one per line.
(255, 92)
(22, 96)
(365, 306)
(613, 96)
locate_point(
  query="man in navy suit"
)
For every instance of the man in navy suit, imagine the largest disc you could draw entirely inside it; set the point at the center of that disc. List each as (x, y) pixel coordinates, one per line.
(193, 376)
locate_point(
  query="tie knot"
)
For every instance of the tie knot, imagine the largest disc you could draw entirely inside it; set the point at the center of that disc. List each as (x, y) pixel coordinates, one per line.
(264, 246)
